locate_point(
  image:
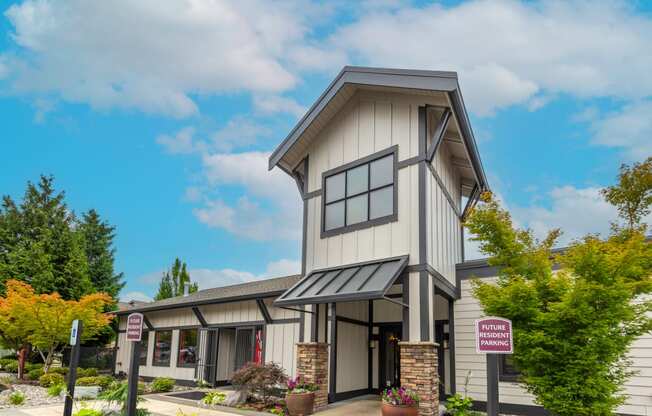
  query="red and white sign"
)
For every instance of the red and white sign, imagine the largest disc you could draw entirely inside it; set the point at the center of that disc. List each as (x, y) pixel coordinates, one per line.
(493, 336)
(135, 327)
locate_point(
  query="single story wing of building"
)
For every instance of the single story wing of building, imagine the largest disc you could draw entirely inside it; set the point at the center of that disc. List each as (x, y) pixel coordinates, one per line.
(387, 168)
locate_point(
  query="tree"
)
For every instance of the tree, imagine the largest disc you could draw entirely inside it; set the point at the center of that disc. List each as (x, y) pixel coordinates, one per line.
(98, 238)
(174, 280)
(572, 328)
(13, 331)
(44, 320)
(39, 244)
(633, 193)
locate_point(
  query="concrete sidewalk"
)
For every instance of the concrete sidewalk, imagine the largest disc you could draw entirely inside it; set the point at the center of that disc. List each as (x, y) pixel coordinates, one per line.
(157, 407)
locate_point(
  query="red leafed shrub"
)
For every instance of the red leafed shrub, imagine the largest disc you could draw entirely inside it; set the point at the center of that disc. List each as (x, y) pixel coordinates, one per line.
(262, 380)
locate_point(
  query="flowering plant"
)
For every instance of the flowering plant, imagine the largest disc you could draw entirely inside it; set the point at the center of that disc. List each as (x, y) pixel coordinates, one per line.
(298, 386)
(400, 397)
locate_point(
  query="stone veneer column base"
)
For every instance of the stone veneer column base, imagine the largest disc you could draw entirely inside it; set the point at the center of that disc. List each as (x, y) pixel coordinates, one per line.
(419, 373)
(312, 366)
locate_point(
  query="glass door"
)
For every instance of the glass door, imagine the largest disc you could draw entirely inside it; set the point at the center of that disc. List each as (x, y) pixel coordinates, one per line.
(390, 371)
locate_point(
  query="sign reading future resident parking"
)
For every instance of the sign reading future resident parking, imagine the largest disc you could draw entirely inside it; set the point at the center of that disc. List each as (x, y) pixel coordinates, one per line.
(493, 336)
(134, 327)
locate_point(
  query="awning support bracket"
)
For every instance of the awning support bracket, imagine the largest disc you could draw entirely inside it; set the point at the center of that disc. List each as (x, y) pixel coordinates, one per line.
(296, 309)
(398, 302)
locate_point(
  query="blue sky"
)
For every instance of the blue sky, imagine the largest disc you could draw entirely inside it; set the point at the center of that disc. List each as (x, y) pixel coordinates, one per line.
(150, 112)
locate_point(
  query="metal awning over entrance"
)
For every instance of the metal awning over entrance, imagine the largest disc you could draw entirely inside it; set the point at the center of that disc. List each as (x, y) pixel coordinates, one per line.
(362, 281)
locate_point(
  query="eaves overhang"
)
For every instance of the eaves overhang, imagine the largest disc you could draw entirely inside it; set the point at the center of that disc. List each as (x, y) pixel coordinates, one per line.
(409, 79)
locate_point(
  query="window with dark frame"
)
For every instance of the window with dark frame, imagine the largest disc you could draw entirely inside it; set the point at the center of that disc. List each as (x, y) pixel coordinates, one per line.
(507, 368)
(361, 194)
(144, 340)
(162, 348)
(187, 356)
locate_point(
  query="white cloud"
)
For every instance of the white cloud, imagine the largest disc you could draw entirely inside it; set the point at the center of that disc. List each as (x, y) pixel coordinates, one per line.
(151, 55)
(208, 278)
(576, 211)
(181, 142)
(272, 104)
(138, 296)
(629, 129)
(250, 170)
(237, 133)
(249, 219)
(268, 211)
(507, 52)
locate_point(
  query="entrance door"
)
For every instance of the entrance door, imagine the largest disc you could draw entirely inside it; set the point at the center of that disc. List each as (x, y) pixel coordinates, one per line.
(443, 356)
(244, 346)
(390, 370)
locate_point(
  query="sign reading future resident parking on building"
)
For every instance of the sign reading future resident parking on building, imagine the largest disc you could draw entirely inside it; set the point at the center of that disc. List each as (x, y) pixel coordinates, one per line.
(134, 327)
(493, 336)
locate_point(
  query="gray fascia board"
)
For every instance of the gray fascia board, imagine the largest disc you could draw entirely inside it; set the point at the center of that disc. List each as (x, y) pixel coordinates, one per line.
(201, 302)
(467, 136)
(379, 77)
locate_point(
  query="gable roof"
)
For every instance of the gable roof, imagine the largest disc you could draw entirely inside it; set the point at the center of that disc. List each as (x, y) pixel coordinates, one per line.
(242, 291)
(406, 79)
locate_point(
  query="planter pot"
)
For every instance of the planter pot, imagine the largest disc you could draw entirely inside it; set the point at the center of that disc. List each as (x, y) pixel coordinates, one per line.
(391, 410)
(300, 404)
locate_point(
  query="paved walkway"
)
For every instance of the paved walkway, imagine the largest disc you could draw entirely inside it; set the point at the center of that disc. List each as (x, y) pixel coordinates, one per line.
(157, 407)
(361, 406)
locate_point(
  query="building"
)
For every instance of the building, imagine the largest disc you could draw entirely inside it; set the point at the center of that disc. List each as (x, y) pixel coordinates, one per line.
(387, 167)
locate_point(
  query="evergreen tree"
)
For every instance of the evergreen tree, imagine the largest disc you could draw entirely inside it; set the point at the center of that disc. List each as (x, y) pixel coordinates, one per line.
(39, 244)
(98, 245)
(173, 281)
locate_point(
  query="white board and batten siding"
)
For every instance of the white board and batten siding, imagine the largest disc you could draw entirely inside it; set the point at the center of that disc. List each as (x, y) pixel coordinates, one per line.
(468, 309)
(444, 237)
(365, 125)
(279, 342)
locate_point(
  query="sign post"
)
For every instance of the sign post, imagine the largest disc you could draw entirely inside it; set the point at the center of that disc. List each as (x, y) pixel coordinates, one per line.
(134, 335)
(493, 336)
(75, 342)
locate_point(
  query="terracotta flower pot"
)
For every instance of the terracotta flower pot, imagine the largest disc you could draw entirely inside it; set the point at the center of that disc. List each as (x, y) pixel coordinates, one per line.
(300, 404)
(392, 410)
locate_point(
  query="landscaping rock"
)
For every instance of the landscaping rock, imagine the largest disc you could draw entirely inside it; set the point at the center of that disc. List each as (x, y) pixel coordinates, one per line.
(86, 392)
(234, 398)
(34, 396)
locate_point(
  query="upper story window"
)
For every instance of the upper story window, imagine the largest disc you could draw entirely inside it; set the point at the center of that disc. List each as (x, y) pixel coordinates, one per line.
(360, 194)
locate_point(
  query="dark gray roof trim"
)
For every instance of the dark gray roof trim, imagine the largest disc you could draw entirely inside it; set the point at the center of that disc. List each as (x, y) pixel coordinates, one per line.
(240, 292)
(400, 78)
(360, 281)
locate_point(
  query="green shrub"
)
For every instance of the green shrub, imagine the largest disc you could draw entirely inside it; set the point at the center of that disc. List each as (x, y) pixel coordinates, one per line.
(35, 374)
(5, 361)
(59, 370)
(49, 379)
(11, 366)
(88, 412)
(33, 366)
(17, 398)
(87, 372)
(162, 384)
(55, 389)
(103, 381)
(214, 397)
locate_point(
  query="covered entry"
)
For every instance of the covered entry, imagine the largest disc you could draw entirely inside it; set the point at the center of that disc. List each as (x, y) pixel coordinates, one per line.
(340, 304)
